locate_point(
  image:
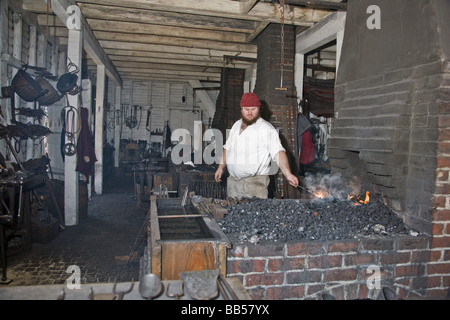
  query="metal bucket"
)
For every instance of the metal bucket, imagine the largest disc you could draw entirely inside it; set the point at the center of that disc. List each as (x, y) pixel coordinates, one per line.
(51, 96)
(25, 86)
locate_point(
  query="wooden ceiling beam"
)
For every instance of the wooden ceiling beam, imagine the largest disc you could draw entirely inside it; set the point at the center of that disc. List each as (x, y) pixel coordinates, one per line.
(161, 40)
(195, 59)
(164, 49)
(222, 64)
(166, 71)
(166, 66)
(172, 41)
(230, 9)
(246, 5)
(150, 29)
(319, 4)
(91, 44)
(166, 18)
(169, 77)
(169, 31)
(177, 39)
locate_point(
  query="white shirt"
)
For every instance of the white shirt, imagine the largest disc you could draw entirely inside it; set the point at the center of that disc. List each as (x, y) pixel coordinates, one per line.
(250, 153)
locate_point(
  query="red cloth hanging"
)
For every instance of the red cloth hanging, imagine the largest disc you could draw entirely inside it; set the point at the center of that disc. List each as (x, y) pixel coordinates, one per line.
(85, 148)
(308, 152)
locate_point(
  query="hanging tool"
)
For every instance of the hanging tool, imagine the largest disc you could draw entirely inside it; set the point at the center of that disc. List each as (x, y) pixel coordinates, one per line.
(69, 115)
(282, 7)
(140, 118)
(131, 120)
(184, 199)
(148, 123)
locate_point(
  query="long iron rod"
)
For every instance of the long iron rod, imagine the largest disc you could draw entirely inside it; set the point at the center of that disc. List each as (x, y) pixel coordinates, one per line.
(308, 191)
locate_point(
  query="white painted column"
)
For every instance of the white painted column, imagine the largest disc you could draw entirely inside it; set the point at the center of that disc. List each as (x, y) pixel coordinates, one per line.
(71, 182)
(339, 42)
(4, 103)
(298, 75)
(3, 48)
(32, 51)
(41, 61)
(86, 96)
(209, 105)
(17, 49)
(117, 127)
(328, 29)
(99, 134)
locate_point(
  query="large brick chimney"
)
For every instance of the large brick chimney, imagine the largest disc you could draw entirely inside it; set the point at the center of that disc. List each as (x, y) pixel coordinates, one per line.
(279, 106)
(392, 114)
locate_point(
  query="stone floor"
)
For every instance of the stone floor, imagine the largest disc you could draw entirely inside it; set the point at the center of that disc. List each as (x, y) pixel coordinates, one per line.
(103, 248)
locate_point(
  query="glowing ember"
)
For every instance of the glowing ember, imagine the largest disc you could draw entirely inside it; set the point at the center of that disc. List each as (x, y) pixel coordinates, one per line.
(321, 194)
(358, 200)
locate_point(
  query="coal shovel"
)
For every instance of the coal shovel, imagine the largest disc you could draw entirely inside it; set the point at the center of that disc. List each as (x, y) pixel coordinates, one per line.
(201, 285)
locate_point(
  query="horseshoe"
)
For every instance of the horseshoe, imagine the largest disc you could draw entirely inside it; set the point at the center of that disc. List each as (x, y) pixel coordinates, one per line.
(69, 149)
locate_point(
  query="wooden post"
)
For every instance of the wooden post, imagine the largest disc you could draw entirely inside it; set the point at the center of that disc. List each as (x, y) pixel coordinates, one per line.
(99, 134)
(86, 95)
(117, 127)
(17, 50)
(71, 182)
(32, 52)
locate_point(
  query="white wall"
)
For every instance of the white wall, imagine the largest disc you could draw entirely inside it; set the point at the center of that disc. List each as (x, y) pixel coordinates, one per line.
(168, 101)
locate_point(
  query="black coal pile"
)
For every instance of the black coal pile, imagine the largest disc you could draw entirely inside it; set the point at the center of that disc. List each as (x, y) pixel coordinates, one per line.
(274, 220)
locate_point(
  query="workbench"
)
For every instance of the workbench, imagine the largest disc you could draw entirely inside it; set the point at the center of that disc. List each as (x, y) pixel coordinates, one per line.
(15, 213)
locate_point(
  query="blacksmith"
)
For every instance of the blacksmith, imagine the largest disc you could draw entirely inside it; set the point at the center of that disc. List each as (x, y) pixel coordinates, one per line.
(251, 146)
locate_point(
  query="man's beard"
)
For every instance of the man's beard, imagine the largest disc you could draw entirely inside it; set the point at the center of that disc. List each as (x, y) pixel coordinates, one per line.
(249, 122)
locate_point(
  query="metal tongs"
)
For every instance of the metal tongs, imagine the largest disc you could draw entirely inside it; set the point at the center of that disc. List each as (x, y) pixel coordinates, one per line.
(184, 199)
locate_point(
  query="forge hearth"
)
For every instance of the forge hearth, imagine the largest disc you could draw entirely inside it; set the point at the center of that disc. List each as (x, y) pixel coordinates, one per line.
(274, 220)
(181, 239)
(391, 105)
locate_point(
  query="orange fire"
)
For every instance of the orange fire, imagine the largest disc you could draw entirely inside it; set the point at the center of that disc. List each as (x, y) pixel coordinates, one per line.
(320, 194)
(357, 200)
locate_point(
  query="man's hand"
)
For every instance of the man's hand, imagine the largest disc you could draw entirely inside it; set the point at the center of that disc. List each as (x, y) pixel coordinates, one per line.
(218, 174)
(282, 161)
(293, 180)
(222, 164)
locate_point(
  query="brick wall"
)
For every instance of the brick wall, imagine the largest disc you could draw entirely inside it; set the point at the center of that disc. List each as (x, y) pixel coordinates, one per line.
(392, 123)
(390, 113)
(228, 108)
(440, 245)
(306, 270)
(279, 106)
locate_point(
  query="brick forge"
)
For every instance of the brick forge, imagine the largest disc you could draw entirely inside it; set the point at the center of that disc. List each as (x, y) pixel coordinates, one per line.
(345, 269)
(397, 113)
(392, 131)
